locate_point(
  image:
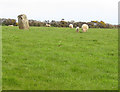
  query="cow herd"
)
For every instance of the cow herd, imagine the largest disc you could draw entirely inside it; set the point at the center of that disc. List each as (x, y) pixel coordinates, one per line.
(84, 27)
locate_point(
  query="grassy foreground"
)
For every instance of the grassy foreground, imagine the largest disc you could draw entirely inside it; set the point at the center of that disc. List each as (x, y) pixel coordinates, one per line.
(59, 59)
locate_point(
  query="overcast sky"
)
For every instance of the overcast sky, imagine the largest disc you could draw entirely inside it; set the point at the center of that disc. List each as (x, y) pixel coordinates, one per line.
(78, 10)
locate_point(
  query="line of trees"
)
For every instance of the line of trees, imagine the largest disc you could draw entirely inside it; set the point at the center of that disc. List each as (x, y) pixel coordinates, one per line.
(62, 23)
(6, 22)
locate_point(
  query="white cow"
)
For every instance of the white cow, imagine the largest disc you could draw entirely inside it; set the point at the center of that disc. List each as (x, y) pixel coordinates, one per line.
(48, 25)
(71, 26)
(85, 27)
(77, 29)
(10, 25)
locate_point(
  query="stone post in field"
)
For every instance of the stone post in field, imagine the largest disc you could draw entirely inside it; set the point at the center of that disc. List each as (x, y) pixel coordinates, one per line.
(23, 22)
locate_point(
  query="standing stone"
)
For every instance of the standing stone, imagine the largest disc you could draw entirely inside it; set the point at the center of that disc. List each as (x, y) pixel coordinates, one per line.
(23, 22)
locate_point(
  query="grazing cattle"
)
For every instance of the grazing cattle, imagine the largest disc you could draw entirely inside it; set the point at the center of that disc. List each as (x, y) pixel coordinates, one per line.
(77, 29)
(48, 25)
(85, 27)
(10, 25)
(71, 26)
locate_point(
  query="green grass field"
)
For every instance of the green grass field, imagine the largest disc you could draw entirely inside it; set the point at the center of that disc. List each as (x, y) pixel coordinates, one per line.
(59, 59)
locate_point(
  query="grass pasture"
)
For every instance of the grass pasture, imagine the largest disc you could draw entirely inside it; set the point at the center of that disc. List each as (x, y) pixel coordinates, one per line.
(59, 59)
